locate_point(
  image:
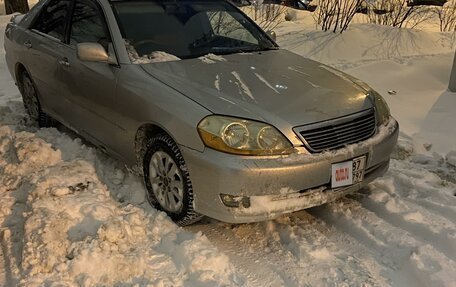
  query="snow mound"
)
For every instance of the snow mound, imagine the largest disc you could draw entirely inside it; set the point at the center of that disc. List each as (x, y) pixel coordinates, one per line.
(154, 57)
(76, 234)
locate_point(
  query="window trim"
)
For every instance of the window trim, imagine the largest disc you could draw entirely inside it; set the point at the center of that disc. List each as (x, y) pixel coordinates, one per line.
(47, 36)
(38, 16)
(65, 42)
(106, 27)
(100, 13)
(262, 35)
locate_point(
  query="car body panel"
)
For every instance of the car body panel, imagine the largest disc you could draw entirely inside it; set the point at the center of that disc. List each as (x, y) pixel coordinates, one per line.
(293, 176)
(145, 100)
(128, 97)
(109, 103)
(292, 93)
(95, 101)
(262, 85)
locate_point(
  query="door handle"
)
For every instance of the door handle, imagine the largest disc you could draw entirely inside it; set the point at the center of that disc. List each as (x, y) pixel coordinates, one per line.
(64, 62)
(28, 44)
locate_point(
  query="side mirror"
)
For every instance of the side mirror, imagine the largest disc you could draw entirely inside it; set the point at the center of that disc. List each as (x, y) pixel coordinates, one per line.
(17, 18)
(93, 52)
(272, 34)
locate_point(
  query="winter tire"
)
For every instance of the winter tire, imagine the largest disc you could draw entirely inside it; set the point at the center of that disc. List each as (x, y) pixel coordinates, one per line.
(167, 180)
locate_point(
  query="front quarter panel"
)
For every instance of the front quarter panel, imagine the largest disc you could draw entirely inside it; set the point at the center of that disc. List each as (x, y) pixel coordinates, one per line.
(145, 100)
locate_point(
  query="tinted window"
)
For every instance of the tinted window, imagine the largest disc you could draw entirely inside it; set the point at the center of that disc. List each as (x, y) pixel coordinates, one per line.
(32, 14)
(187, 29)
(52, 19)
(87, 24)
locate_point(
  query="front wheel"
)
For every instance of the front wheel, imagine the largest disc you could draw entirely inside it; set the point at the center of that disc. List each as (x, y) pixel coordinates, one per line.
(167, 180)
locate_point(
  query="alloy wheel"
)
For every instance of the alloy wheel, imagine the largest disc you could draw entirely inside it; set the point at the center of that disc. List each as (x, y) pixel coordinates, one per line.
(166, 181)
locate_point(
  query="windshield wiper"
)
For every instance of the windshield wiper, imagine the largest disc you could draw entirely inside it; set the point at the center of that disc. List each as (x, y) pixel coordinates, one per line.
(233, 50)
(269, 48)
(204, 40)
(227, 51)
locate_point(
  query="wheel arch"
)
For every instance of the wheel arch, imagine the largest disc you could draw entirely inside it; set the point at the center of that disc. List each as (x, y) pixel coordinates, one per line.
(143, 134)
(19, 69)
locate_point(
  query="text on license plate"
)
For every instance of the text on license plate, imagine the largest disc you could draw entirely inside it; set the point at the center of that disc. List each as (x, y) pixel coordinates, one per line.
(348, 172)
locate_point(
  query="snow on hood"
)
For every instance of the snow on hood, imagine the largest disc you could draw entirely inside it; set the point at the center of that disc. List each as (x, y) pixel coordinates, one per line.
(154, 57)
(212, 59)
(273, 86)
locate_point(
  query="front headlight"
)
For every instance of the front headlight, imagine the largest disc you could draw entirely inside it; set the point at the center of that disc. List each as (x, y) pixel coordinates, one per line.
(243, 137)
(381, 108)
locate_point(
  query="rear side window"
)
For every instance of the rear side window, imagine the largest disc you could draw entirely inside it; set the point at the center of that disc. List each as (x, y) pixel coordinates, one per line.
(52, 19)
(88, 24)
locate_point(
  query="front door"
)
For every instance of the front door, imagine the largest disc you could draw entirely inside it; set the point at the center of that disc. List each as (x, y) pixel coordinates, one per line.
(45, 47)
(90, 86)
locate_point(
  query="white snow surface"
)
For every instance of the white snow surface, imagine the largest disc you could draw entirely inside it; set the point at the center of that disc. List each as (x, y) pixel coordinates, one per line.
(212, 59)
(154, 57)
(72, 216)
(243, 87)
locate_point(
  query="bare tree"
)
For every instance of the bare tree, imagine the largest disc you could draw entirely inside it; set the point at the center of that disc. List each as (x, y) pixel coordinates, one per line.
(336, 15)
(20, 6)
(267, 16)
(396, 13)
(447, 16)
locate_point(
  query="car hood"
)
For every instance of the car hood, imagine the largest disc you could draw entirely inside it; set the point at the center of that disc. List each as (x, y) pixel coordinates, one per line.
(277, 87)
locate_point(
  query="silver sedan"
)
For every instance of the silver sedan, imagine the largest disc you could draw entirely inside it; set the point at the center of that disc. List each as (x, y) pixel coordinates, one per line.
(201, 102)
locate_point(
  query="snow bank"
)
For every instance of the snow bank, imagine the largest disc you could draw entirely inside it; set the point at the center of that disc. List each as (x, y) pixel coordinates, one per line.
(76, 234)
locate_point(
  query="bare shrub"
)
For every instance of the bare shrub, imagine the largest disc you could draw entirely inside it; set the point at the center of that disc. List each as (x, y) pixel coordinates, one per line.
(336, 15)
(396, 13)
(267, 16)
(447, 16)
(291, 15)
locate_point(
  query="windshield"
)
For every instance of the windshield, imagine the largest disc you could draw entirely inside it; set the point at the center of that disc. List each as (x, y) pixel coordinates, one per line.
(186, 29)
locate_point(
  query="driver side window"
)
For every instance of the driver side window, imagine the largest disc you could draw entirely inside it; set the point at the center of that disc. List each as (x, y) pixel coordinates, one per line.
(52, 20)
(88, 25)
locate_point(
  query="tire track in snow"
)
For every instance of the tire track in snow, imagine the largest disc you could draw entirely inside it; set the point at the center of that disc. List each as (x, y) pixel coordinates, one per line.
(417, 185)
(446, 212)
(292, 251)
(407, 260)
(248, 264)
(349, 245)
(442, 240)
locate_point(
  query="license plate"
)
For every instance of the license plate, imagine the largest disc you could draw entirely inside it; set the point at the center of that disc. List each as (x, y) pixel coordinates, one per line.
(348, 172)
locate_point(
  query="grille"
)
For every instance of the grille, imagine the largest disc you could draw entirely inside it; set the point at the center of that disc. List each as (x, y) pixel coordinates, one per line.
(339, 132)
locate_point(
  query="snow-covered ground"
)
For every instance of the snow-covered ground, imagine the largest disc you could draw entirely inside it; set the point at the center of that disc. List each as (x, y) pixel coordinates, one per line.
(72, 216)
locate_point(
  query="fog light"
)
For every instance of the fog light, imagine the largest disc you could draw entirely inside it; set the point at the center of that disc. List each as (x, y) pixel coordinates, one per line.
(235, 201)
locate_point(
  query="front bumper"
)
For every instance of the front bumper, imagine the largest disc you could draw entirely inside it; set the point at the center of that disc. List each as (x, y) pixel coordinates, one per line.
(279, 184)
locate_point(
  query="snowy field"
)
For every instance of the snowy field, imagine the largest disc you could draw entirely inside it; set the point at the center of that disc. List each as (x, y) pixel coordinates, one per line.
(72, 216)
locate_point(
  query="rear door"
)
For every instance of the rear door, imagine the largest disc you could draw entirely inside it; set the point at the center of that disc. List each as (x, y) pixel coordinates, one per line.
(91, 86)
(45, 43)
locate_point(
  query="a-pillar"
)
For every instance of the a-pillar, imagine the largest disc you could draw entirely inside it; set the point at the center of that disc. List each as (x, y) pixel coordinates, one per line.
(452, 85)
